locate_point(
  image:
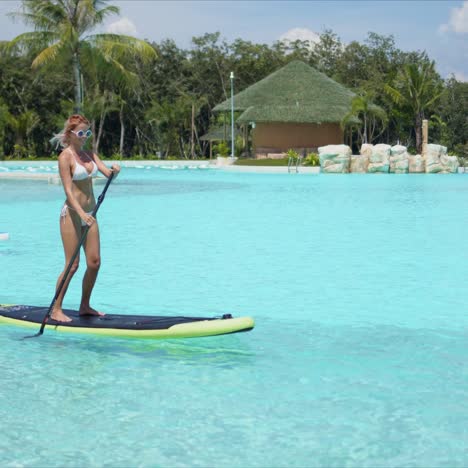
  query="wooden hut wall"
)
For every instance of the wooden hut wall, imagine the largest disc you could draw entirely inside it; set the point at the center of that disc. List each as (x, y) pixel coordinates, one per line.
(279, 137)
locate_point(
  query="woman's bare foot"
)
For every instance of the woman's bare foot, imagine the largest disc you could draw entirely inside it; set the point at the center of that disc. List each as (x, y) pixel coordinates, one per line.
(59, 316)
(90, 311)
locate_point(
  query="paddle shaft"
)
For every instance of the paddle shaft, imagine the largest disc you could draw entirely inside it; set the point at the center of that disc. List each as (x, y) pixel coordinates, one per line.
(77, 251)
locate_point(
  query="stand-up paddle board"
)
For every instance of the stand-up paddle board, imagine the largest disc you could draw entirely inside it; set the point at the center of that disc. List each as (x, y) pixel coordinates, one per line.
(126, 326)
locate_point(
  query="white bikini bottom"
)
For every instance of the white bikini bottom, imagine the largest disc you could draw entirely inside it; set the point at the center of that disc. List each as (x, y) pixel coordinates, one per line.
(65, 208)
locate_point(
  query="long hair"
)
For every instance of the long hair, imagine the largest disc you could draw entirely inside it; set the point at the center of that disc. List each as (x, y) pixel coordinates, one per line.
(61, 139)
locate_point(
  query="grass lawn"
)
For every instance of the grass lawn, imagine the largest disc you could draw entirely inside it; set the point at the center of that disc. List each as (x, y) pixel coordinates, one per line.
(261, 162)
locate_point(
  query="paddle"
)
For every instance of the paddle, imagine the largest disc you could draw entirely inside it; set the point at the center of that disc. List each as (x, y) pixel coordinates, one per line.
(77, 251)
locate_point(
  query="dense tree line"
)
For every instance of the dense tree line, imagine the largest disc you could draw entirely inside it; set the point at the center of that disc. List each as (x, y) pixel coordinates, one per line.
(160, 101)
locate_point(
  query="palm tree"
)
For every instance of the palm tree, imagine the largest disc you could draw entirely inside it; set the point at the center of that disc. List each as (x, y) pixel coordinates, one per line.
(417, 89)
(366, 118)
(62, 30)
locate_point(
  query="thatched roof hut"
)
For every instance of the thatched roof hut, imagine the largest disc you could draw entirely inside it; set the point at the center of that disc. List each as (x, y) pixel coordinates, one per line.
(294, 107)
(218, 134)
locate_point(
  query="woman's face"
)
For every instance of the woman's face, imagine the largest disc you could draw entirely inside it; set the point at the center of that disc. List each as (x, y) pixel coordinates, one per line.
(80, 134)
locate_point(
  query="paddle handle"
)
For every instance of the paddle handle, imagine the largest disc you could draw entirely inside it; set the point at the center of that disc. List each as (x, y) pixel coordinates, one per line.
(75, 254)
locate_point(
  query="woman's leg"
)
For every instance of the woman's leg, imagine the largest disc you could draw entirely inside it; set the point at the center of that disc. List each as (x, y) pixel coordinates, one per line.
(70, 229)
(93, 262)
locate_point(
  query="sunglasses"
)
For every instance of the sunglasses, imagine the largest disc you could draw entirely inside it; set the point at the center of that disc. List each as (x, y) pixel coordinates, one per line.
(82, 133)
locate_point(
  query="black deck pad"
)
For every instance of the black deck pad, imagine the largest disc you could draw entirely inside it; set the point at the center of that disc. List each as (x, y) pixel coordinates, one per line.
(126, 322)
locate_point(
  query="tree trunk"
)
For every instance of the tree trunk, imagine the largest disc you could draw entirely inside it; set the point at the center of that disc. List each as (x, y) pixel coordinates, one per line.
(77, 79)
(197, 139)
(137, 132)
(101, 127)
(93, 129)
(181, 147)
(122, 131)
(365, 128)
(192, 138)
(418, 131)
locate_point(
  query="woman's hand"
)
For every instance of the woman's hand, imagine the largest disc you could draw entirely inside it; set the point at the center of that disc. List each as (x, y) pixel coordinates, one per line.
(115, 169)
(88, 219)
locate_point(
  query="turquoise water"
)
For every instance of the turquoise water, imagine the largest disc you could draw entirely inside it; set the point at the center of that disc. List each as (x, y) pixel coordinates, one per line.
(359, 355)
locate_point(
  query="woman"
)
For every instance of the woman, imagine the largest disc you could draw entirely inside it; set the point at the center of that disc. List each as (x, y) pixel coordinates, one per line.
(77, 167)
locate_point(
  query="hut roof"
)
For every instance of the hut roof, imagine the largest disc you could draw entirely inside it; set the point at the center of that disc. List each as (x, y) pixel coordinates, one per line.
(295, 93)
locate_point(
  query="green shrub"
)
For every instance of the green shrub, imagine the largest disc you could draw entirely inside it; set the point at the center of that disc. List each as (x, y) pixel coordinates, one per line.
(222, 149)
(461, 150)
(292, 154)
(312, 159)
(20, 152)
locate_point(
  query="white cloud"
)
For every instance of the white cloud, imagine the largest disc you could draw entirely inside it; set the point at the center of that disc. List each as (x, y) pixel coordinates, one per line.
(122, 26)
(302, 34)
(458, 22)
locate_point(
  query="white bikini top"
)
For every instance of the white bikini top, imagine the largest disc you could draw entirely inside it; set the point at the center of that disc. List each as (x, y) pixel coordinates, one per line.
(81, 173)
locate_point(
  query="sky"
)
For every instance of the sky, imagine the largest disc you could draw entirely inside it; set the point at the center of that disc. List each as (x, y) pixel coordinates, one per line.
(438, 27)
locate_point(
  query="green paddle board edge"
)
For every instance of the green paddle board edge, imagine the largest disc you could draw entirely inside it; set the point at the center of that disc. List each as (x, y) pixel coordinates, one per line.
(197, 329)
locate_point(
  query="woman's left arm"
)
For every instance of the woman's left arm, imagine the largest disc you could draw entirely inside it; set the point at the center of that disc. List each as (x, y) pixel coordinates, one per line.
(115, 168)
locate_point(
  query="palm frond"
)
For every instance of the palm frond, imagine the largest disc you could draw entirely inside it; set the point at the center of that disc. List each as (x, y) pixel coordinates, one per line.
(101, 15)
(122, 47)
(394, 94)
(31, 40)
(350, 120)
(106, 67)
(48, 55)
(42, 14)
(434, 99)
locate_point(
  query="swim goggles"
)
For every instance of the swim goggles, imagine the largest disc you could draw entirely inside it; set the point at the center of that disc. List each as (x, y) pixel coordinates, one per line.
(81, 133)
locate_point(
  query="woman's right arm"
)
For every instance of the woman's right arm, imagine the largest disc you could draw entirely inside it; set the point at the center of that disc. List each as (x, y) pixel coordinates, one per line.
(64, 165)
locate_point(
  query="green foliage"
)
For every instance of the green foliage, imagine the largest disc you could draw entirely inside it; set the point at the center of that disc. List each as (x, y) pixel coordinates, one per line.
(238, 146)
(366, 118)
(292, 154)
(452, 113)
(150, 95)
(61, 37)
(222, 149)
(312, 159)
(417, 89)
(461, 150)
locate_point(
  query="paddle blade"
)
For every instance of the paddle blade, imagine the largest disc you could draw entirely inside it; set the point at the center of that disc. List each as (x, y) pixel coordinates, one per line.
(39, 333)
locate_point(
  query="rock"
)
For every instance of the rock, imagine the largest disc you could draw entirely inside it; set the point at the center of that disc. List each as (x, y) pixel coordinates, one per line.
(416, 164)
(449, 164)
(398, 159)
(359, 163)
(366, 150)
(398, 149)
(432, 158)
(335, 149)
(334, 158)
(379, 160)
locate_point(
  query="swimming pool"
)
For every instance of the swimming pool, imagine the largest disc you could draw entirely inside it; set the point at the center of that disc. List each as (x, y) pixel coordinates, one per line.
(358, 287)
